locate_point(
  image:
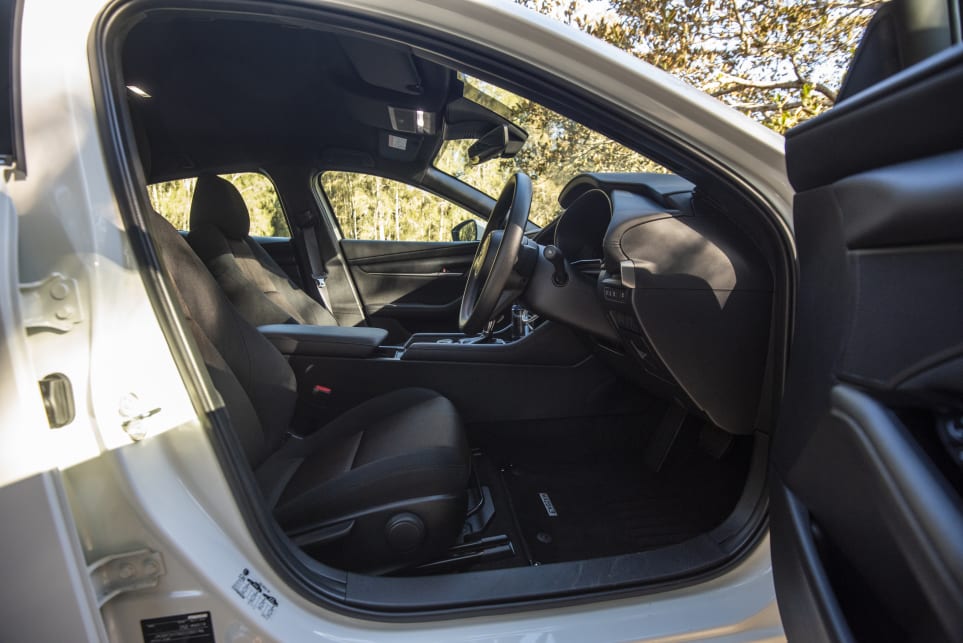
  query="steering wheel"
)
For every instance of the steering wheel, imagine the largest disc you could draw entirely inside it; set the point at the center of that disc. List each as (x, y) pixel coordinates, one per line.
(496, 255)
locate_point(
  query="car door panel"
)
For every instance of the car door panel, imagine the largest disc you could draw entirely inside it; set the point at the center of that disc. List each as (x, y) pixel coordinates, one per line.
(901, 118)
(417, 284)
(867, 491)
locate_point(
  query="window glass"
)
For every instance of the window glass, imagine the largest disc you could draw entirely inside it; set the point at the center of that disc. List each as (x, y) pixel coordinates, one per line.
(557, 149)
(378, 209)
(172, 199)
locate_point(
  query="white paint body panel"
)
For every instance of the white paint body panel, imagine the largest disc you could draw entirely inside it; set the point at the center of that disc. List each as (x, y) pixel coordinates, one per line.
(167, 492)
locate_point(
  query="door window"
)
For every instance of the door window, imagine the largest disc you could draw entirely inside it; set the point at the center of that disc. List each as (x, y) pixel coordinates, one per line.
(374, 208)
(172, 199)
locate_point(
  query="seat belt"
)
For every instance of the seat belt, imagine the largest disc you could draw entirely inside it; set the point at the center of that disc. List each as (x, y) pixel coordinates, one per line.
(319, 275)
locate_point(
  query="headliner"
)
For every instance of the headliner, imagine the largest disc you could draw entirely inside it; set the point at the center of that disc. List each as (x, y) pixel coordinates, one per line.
(228, 93)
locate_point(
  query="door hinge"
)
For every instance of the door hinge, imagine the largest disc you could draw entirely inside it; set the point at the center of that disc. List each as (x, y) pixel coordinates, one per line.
(51, 303)
(119, 573)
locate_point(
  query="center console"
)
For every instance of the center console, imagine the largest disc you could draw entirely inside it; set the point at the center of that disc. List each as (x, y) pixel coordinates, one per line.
(548, 373)
(521, 343)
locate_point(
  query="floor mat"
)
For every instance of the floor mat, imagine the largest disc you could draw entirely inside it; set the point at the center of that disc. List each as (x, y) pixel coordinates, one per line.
(613, 505)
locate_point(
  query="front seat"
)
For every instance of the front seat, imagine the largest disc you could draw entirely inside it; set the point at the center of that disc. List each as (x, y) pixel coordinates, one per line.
(254, 283)
(381, 487)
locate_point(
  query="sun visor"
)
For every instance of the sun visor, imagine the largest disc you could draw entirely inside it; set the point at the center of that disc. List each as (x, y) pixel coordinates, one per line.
(382, 65)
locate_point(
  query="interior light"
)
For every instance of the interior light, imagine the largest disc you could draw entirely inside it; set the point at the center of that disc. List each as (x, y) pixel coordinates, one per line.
(412, 121)
(137, 91)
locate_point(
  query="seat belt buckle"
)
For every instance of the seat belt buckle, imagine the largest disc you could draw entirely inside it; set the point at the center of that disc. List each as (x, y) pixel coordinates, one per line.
(320, 280)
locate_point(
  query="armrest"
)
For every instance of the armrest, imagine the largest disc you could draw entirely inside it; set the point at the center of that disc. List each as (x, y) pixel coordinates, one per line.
(324, 341)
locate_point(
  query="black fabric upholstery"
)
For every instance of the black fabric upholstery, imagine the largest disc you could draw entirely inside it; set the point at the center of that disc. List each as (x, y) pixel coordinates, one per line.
(256, 382)
(405, 444)
(392, 452)
(250, 278)
(217, 202)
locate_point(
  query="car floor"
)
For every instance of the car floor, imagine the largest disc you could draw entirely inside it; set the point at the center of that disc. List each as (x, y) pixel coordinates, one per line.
(590, 493)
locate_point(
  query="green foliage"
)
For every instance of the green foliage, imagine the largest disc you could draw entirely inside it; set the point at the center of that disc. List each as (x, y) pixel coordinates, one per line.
(172, 199)
(267, 217)
(372, 207)
(780, 62)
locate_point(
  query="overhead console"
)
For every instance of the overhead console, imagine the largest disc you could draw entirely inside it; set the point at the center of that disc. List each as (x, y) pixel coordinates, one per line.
(689, 295)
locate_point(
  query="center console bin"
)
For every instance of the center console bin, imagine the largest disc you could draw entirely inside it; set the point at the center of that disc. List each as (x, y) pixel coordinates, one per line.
(324, 341)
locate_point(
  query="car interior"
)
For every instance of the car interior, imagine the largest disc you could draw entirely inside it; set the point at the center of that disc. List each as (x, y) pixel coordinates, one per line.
(537, 412)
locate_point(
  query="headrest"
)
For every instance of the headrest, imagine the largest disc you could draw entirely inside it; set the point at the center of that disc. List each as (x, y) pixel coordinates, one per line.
(218, 203)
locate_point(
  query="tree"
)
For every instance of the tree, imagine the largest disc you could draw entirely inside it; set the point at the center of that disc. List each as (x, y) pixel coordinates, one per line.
(780, 62)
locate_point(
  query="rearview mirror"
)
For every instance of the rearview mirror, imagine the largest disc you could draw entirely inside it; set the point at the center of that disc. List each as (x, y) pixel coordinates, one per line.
(470, 230)
(500, 142)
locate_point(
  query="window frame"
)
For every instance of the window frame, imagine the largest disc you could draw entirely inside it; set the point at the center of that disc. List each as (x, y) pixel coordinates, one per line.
(333, 215)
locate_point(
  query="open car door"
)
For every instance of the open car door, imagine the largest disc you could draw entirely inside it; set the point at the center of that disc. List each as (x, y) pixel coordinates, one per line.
(35, 528)
(867, 471)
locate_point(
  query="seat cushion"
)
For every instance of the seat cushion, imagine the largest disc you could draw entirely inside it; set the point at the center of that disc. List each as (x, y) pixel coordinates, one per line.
(405, 445)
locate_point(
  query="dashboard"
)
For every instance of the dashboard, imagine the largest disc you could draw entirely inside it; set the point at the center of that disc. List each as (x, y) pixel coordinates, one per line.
(686, 292)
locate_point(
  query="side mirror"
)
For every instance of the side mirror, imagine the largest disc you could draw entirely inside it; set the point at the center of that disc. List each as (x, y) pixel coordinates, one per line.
(470, 230)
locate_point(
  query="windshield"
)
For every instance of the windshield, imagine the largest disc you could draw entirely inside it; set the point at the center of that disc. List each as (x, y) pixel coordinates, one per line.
(557, 149)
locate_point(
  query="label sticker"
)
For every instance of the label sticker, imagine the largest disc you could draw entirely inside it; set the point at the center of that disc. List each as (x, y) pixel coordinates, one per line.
(549, 507)
(255, 593)
(397, 142)
(180, 628)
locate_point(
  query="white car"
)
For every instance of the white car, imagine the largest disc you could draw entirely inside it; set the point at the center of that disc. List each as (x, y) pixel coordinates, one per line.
(679, 372)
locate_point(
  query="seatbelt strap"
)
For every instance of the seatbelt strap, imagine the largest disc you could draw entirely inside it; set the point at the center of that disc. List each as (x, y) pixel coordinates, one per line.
(309, 232)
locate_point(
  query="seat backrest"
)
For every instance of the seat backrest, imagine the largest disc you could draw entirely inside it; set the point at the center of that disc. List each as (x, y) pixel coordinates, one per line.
(256, 383)
(251, 279)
